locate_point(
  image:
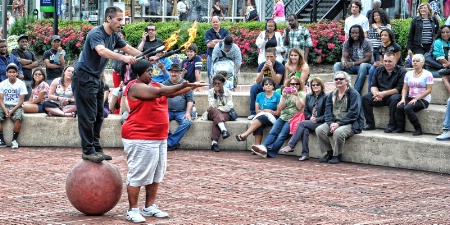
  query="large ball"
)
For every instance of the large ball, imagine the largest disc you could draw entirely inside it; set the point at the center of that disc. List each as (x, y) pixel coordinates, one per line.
(94, 188)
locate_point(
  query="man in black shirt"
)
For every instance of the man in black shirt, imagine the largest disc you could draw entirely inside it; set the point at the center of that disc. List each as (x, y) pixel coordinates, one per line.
(54, 59)
(149, 39)
(28, 61)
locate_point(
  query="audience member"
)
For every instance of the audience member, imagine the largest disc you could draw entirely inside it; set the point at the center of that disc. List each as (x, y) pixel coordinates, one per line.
(279, 15)
(61, 101)
(356, 19)
(386, 87)
(296, 66)
(212, 37)
(296, 36)
(54, 59)
(268, 69)
(144, 136)
(379, 21)
(251, 13)
(180, 108)
(356, 56)
(149, 39)
(267, 112)
(6, 59)
(314, 117)
(446, 125)
(441, 47)
(227, 50)
(28, 61)
(160, 71)
(39, 92)
(423, 30)
(220, 102)
(292, 102)
(376, 4)
(270, 38)
(10, 21)
(343, 118)
(12, 94)
(18, 7)
(388, 44)
(416, 95)
(182, 9)
(192, 65)
(216, 10)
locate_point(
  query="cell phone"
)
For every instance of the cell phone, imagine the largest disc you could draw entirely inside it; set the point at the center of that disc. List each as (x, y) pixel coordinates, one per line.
(288, 89)
(148, 37)
(267, 31)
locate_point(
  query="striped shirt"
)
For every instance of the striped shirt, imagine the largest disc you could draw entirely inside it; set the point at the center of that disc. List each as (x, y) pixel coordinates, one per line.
(427, 32)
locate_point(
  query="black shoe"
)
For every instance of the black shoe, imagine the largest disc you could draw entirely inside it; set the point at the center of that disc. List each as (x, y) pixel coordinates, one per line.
(105, 156)
(418, 132)
(368, 127)
(2, 143)
(389, 130)
(95, 157)
(334, 160)
(215, 147)
(399, 130)
(171, 148)
(326, 157)
(225, 134)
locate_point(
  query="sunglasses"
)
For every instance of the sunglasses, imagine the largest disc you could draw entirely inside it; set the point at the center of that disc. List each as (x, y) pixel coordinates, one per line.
(340, 79)
(297, 84)
(217, 84)
(315, 85)
(268, 84)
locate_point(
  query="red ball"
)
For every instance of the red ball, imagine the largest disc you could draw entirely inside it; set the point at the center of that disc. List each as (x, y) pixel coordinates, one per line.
(94, 188)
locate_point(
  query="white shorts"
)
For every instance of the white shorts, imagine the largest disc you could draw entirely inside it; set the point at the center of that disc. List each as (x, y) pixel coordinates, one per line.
(117, 92)
(147, 161)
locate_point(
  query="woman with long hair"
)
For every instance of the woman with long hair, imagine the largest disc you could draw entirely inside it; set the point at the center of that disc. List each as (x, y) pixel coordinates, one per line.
(296, 66)
(423, 30)
(216, 10)
(380, 21)
(251, 14)
(441, 48)
(60, 101)
(270, 38)
(39, 91)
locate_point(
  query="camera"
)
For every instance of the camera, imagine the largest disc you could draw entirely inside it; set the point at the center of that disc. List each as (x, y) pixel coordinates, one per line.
(288, 89)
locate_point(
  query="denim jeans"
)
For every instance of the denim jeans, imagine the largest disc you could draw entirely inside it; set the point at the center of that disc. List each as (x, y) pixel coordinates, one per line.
(371, 73)
(302, 133)
(447, 116)
(88, 92)
(376, 54)
(209, 68)
(277, 135)
(361, 70)
(184, 125)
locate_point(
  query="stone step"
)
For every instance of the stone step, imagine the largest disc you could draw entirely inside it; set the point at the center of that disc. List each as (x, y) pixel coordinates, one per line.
(372, 147)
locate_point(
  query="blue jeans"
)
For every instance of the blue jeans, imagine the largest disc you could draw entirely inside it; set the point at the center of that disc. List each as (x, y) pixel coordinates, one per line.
(371, 73)
(376, 54)
(447, 116)
(277, 135)
(362, 70)
(209, 68)
(302, 133)
(184, 125)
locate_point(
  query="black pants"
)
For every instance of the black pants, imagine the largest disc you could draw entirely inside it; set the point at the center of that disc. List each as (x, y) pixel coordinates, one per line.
(410, 111)
(88, 91)
(390, 101)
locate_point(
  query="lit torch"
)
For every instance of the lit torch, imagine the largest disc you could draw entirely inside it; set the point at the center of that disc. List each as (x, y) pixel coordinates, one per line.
(172, 40)
(192, 35)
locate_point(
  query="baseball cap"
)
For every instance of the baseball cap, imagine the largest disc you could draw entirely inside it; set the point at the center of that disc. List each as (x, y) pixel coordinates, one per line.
(12, 65)
(228, 41)
(175, 67)
(23, 36)
(56, 37)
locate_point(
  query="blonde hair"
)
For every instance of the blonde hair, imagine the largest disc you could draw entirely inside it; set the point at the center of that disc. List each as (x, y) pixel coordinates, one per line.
(431, 12)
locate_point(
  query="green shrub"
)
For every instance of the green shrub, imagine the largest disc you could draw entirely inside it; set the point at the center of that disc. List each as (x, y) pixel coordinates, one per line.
(19, 26)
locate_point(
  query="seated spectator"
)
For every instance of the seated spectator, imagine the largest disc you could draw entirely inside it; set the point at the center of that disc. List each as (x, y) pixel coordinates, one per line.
(296, 66)
(314, 117)
(268, 69)
(160, 67)
(39, 92)
(388, 44)
(386, 87)
(180, 108)
(60, 101)
(12, 95)
(292, 102)
(220, 103)
(270, 38)
(228, 84)
(356, 56)
(441, 47)
(116, 93)
(379, 21)
(416, 95)
(445, 133)
(267, 112)
(343, 119)
(192, 65)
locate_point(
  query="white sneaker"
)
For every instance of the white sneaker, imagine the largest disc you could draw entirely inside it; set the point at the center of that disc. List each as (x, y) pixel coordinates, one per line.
(14, 144)
(251, 117)
(444, 136)
(260, 150)
(135, 216)
(153, 211)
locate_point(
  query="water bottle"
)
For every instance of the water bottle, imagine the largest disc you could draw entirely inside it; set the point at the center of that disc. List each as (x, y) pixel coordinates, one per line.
(194, 113)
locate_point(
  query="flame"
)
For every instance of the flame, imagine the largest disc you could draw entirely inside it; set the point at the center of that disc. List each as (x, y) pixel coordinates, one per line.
(172, 40)
(192, 35)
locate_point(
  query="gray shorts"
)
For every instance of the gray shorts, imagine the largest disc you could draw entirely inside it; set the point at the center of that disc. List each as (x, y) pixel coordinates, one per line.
(17, 115)
(147, 161)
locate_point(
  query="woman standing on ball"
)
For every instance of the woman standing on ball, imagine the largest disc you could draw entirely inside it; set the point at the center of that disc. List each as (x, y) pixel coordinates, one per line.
(144, 136)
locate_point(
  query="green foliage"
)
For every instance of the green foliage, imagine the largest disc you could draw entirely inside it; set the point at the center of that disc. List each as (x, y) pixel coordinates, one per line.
(19, 26)
(400, 28)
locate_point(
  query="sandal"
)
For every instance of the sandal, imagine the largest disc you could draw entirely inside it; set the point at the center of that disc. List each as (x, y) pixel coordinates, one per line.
(240, 138)
(287, 149)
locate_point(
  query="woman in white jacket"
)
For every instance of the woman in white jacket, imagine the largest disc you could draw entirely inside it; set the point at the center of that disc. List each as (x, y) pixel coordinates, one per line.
(270, 38)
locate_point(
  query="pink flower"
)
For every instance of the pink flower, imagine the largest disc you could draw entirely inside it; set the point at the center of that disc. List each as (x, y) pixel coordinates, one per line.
(78, 45)
(331, 45)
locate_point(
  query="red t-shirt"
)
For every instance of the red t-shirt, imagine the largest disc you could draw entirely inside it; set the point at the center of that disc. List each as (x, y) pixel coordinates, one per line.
(148, 119)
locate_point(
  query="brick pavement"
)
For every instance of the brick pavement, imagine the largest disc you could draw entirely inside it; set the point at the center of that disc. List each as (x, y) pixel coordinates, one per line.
(203, 187)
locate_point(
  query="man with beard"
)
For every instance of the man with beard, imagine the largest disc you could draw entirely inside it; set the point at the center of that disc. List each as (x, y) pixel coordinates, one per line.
(87, 81)
(28, 61)
(356, 56)
(296, 36)
(6, 59)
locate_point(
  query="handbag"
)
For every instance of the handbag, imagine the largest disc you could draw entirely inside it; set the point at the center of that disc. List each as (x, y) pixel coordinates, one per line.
(233, 114)
(295, 121)
(431, 62)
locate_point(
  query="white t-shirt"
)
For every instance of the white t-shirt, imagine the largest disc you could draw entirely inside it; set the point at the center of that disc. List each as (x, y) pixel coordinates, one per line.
(12, 92)
(417, 86)
(359, 20)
